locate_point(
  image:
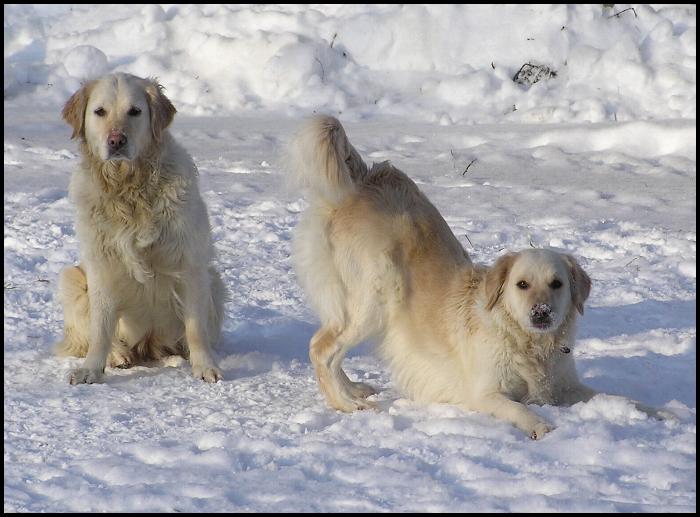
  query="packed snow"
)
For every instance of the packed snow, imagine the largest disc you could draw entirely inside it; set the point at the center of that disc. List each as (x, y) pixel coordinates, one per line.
(598, 160)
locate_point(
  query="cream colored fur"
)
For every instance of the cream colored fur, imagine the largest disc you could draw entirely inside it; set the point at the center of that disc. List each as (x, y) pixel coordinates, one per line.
(145, 287)
(377, 261)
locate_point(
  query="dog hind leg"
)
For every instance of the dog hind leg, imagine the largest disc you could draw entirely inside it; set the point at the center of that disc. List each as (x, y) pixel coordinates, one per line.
(72, 288)
(73, 292)
(327, 350)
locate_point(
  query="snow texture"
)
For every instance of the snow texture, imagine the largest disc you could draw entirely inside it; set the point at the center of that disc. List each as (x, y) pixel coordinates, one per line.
(599, 161)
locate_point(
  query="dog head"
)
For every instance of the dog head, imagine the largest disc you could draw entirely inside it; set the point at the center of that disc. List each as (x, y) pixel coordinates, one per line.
(119, 116)
(537, 288)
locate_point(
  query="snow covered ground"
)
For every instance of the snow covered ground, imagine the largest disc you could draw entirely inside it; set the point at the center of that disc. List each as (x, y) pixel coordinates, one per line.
(599, 161)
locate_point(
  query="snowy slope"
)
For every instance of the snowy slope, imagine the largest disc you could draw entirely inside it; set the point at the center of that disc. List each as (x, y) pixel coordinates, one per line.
(614, 185)
(452, 63)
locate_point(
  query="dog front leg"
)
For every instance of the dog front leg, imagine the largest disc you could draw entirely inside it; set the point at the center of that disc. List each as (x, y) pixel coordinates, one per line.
(197, 300)
(516, 413)
(102, 326)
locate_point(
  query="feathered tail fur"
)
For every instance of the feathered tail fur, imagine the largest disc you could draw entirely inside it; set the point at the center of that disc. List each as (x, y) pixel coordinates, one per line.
(323, 162)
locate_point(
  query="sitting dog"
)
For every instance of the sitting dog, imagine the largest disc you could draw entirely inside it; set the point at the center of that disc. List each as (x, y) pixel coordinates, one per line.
(145, 288)
(376, 260)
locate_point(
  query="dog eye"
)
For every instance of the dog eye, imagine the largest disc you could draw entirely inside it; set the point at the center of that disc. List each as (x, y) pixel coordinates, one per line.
(100, 112)
(134, 111)
(556, 284)
(523, 284)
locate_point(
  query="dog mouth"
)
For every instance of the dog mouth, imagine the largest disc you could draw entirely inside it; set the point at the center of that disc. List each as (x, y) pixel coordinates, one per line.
(541, 325)
(117, 156)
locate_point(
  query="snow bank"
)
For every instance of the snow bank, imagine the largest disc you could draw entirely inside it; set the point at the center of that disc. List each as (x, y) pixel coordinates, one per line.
(435, 63)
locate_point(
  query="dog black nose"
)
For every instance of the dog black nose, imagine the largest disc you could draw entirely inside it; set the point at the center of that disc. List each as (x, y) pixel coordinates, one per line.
(541, 313)
(116, 140)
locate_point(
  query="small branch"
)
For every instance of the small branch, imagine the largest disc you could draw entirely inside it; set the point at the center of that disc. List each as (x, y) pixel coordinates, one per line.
(470, 164)
(323, 70)
(635, 258)
(520, 70)
(9, 285)
(470, 241)
(628, 9)
(333, 40)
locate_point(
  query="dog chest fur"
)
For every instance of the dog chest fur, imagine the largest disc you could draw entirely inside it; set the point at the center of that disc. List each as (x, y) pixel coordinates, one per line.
(132, 217)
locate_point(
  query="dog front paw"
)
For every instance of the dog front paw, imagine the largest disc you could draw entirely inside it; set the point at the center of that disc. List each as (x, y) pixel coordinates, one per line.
(207, 373)
(539, 430)
(85, 376)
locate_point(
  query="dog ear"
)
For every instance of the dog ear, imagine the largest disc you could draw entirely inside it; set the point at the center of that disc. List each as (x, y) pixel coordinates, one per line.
(162, 110)
(580, 283)
(496, 277)
(74, 110)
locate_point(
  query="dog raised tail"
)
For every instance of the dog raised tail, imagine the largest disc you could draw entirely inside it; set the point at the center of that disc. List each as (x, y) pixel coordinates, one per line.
(323, 161)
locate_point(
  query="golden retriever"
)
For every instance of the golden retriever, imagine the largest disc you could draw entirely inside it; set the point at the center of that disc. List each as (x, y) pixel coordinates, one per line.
(376, 260)
(145, 287)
